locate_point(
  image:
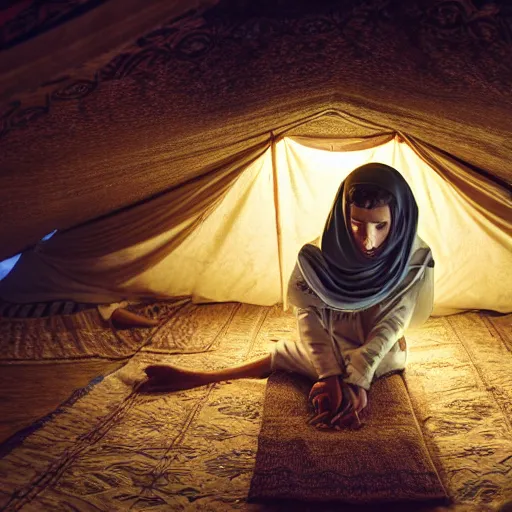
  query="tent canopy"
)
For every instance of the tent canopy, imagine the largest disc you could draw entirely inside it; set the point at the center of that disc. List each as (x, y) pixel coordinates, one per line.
(139, 147)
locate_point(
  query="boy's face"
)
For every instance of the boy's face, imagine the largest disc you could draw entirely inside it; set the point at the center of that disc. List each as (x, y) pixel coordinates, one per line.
(370, 228)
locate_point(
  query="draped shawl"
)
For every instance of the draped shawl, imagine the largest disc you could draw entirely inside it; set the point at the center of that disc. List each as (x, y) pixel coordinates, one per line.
(342, 277)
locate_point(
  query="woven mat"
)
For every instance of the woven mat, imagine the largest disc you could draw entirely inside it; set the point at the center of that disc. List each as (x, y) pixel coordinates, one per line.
(196, 450)
(386, 460)
(184, 327)
(44, 360)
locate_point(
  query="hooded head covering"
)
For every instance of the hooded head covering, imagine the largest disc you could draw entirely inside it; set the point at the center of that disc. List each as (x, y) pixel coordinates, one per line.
(343, 277)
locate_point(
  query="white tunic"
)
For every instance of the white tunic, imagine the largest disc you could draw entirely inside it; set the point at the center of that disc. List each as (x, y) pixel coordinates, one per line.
(107, 310)
(362, 345)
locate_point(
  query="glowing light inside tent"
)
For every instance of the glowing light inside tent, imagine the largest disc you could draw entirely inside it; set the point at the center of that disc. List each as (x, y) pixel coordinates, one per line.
(245, 249)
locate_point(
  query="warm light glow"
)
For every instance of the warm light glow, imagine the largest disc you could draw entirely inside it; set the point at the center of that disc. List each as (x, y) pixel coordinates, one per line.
(245, 248)
(238, 253)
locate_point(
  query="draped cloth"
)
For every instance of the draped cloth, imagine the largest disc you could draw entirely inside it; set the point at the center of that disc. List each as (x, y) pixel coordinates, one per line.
(134, 156)
(343, 277)
(181, 241)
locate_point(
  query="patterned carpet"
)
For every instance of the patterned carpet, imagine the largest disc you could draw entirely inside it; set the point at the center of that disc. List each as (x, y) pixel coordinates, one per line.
(112, 449)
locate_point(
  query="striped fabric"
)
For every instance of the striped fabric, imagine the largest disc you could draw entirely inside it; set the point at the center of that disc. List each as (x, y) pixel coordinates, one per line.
(42, 309)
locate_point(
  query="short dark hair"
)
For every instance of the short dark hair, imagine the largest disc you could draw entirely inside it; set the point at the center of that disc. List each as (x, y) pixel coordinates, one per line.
(369, 196)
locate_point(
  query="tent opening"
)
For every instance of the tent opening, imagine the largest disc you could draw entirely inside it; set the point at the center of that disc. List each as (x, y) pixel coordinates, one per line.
(7, 265)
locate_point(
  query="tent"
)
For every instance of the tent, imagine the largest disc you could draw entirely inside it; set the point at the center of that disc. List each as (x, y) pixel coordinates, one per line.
(242, 245)
(139, 148)
(190, 148)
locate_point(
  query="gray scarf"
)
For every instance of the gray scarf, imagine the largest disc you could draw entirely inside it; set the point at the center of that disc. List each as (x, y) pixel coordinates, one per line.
(339, 273)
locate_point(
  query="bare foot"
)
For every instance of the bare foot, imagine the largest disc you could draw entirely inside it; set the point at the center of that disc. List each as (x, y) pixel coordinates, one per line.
(123, 319)
(170, 378)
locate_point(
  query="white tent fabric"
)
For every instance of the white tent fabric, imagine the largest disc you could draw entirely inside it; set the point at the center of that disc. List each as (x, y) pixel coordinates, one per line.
(472, 260)
(233, 254)
(245, 249)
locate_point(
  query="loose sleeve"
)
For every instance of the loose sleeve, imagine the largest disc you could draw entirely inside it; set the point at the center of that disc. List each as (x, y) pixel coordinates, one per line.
(107, 310)
(314, 337)
(389, 325)
(318, 343)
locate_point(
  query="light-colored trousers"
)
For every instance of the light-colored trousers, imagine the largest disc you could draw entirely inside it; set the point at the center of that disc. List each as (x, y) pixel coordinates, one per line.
(342, 332)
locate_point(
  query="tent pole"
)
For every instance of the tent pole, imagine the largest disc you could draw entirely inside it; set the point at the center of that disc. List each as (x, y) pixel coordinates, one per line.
(278, 215)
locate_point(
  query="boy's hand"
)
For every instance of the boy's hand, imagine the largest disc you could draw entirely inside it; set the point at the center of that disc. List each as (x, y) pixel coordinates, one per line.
(326, 397)
(336, 403)
(356, 401)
